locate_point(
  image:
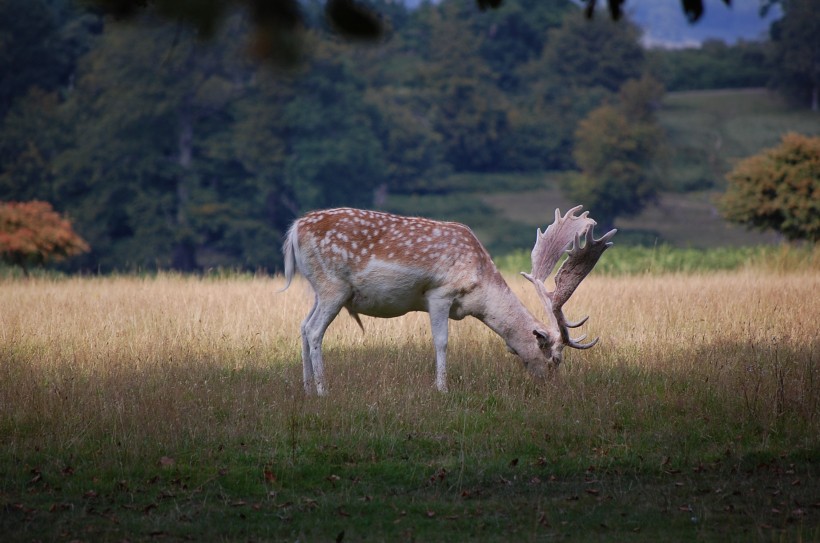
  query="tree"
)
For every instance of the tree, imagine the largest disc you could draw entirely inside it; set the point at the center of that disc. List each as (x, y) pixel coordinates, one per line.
(135, 170)
(778, 189)
(469, 111)
(41, 41)
(615, 149)
(583, 64)
(589, 54)
(515, 35)
(32, 233)
(796, 41)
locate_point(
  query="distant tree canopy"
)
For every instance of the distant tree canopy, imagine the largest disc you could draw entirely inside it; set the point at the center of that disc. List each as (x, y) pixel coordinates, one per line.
(778, 189)
(713, 65)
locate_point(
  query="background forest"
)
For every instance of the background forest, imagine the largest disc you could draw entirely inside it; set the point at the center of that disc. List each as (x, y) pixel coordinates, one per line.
(170, 151)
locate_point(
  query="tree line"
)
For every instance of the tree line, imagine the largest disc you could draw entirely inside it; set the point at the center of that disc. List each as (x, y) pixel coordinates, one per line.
(173, 151)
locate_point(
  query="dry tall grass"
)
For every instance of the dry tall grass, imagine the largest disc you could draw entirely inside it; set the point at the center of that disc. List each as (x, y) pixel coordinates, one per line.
(140, 366)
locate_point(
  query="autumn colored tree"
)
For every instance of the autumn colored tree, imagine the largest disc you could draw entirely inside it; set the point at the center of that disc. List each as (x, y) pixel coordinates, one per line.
(32, 233)
(778, 189)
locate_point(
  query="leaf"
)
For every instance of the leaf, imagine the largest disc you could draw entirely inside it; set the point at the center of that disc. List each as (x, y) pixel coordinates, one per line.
(166, 462)
(354, 20)
(270, 477)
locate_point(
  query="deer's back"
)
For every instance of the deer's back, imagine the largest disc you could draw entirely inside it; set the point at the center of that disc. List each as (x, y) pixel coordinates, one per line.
(388, 262)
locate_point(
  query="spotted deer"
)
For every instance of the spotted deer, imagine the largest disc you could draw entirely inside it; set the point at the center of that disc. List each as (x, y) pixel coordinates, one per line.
(384, 265)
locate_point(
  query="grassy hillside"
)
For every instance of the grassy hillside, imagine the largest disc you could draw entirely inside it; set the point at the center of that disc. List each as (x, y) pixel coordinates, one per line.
(707, 131)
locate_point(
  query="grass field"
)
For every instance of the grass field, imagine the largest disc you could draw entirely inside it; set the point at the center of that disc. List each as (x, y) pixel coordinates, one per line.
(171, 408)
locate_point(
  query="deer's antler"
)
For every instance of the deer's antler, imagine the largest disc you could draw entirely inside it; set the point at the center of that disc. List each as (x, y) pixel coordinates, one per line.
(549, 246)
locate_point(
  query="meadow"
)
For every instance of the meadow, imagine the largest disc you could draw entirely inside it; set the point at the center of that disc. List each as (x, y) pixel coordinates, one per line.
(167, 407)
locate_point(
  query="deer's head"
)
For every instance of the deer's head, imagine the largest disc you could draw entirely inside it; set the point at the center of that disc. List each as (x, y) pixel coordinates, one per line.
(573, 235)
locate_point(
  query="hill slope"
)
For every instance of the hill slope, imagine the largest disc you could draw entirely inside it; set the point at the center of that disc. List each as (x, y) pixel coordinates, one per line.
(707, 132)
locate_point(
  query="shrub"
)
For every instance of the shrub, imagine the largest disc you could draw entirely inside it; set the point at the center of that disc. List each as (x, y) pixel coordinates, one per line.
(32, 233)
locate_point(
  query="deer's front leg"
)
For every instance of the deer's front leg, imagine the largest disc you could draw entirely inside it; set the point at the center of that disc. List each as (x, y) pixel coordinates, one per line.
(439, 310)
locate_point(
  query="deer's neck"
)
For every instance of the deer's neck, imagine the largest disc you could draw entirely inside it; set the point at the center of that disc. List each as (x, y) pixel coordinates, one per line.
(504, 314)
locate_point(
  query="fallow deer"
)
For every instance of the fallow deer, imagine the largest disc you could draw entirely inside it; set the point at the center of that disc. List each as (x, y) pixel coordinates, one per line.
(384, 265)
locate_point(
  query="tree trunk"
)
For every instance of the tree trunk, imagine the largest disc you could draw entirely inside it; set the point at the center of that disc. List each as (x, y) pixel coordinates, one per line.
(183, 257)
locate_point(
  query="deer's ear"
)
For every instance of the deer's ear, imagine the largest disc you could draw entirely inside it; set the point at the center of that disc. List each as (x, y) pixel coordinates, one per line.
(543, 339)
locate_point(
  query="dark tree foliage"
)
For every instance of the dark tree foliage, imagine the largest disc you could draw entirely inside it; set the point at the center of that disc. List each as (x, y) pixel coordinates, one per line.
(796, 40)
(38, 47)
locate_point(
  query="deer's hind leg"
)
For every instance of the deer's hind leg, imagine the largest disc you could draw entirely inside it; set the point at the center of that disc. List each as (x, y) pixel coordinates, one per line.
(307, 366)
(314, 327)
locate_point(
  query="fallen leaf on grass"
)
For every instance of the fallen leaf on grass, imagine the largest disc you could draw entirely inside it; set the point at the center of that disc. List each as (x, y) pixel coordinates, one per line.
(166, 462)
(438, 476)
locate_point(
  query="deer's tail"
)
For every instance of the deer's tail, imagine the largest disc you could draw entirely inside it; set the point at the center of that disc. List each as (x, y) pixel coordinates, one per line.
(292, 255)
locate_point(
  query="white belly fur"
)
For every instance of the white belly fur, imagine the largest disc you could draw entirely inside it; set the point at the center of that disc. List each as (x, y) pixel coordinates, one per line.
(384, 289)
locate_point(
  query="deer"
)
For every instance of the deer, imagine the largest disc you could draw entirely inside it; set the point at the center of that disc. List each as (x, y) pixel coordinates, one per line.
(384, 265)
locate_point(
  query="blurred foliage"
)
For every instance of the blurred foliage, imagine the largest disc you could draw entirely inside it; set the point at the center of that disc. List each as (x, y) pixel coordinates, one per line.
(778, 189)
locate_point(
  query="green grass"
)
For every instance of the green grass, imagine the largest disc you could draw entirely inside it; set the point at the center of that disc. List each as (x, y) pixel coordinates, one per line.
(709, 131)
(663, 259)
